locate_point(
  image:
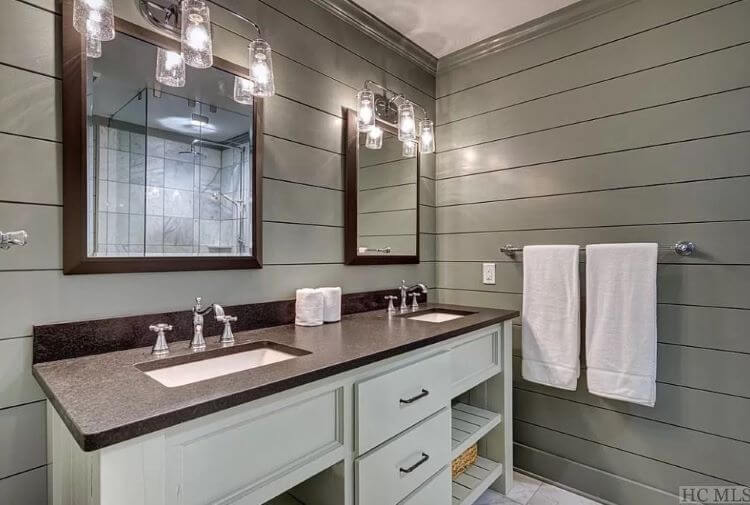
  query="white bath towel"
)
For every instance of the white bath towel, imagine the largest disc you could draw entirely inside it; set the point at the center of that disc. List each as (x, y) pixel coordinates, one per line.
(551, 315)
(309, 307)
(331, 304)
(621, 321)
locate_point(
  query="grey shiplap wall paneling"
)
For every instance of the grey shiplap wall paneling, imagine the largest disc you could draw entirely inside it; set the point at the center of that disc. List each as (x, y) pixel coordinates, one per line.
(627, 127)
(605, 29)
(319, 64)
(601, 484)
(649, 49)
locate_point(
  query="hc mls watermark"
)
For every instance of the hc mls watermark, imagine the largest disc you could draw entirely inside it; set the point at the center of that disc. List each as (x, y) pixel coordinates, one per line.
(715, 494)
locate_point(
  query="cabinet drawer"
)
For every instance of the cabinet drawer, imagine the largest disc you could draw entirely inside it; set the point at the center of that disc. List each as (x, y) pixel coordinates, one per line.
(475, 360)
(391, 472)
(436, 491)
(390, 403)
(226, 460)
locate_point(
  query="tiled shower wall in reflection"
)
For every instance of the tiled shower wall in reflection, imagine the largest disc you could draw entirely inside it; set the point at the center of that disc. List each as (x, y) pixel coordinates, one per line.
(166, 199)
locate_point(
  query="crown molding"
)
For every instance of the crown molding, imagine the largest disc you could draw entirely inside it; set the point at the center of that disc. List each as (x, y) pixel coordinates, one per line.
(380, 31)
(557, 20)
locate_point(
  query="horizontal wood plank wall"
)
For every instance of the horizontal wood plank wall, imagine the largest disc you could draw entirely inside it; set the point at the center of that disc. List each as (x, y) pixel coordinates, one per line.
(320, 62)
(631, 126)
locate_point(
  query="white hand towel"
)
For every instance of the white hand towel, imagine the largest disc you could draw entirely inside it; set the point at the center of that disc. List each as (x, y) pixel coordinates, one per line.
(331, 304)
(551, 338)
(309, 307)
(621, 321)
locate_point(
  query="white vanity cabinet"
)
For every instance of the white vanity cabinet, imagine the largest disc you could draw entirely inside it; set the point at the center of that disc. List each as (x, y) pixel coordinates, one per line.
(382, 434)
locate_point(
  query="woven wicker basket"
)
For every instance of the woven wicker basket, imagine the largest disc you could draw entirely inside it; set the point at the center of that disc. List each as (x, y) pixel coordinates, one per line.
(464, 461)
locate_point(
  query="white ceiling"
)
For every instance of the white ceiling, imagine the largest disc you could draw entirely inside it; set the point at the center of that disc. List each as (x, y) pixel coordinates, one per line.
(444, 26)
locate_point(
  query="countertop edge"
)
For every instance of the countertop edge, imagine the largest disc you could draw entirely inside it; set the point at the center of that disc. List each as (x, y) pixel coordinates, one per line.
(98, 440)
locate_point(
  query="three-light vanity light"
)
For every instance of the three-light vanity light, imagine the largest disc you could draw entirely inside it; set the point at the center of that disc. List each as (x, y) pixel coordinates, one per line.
(94, 19)
(394, 109)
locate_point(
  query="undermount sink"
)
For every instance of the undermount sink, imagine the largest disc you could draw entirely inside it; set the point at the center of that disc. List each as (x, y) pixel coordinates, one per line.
(182, 370)
(439, 315)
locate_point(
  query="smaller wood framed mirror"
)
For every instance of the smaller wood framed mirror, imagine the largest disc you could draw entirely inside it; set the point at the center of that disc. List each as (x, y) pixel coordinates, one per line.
(156, 177)
(381, 223)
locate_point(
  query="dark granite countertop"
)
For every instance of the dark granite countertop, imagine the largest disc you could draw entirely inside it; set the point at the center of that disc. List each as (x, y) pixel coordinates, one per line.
(104, 399)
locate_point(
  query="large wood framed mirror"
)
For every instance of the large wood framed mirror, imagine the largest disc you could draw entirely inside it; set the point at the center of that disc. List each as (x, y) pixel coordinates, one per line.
(156, 178)
(382, 198)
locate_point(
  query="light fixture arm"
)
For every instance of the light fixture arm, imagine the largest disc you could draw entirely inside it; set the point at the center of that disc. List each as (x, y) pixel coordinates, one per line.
(393, 94)
(239, 16)
(172, 14)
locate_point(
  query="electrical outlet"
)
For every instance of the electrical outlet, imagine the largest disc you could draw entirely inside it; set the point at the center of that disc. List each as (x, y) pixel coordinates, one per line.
(488, 273)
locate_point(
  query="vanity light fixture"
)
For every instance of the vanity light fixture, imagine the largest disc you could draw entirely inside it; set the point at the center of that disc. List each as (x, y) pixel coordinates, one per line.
(191, 21)
(426, 136)
(396, 110)
(406, 124)
(261, 68)
(94, 19)
(409, 149)
(195, 36)
(93, 47)
(243, 90)
(374, 138)
(170, 68)
(365, 110)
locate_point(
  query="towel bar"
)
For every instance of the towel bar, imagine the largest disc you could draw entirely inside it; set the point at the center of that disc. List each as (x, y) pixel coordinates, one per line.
(681, 248)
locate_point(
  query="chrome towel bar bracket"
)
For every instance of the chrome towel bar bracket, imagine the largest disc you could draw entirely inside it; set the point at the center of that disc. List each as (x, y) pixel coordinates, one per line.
(13, 238)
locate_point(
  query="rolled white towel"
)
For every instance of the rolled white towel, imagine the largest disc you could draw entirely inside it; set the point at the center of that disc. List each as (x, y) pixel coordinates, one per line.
(309, 307)
(331, 304)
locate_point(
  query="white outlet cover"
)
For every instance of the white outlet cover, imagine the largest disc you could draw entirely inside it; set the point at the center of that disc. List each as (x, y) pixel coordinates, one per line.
(488, 273)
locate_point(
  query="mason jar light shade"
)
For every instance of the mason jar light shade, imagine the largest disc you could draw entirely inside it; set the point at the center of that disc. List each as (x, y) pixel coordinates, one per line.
(426, 136)
(94, 18)
(261, 68)
(243, 90)
(197, 47)
(406, 124)
(93, 47)
(365, 110)
(374, 138)
(409, 149)
(170, 68)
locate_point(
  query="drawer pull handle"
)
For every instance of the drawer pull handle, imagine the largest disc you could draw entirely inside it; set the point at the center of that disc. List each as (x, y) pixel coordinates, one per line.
(415, 398)
(416, 465)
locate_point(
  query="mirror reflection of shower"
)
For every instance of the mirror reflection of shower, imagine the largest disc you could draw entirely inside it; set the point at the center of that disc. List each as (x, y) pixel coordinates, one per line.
(239, 204)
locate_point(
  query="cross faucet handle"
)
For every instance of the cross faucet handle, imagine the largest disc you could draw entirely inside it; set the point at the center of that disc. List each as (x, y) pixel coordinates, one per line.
(391, 308)
(414, 302)
(227, 337)
(160, 346)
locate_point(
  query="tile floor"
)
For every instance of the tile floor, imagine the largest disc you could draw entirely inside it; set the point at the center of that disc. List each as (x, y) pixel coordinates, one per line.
(529, 491)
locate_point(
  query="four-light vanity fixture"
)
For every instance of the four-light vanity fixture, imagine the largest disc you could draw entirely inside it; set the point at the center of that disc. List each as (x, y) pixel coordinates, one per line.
(394, 109)
(191, 21)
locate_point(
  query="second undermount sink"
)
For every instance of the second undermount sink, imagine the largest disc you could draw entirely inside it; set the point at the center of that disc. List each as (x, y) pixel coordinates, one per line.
(439, 315)
(182, 370)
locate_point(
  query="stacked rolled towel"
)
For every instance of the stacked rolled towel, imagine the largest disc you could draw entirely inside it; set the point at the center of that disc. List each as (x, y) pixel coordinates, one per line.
(331, 304)
(309, 307)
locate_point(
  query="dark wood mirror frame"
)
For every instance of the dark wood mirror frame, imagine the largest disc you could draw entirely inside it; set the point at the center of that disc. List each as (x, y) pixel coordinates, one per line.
(351, 212)
(75, 254)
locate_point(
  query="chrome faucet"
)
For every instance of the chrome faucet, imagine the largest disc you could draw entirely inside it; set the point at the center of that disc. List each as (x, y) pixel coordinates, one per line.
(199, 343)
(405, 290)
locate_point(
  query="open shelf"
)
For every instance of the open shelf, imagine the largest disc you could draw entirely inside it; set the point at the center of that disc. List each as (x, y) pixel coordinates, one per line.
(470, 485)
(468, 425)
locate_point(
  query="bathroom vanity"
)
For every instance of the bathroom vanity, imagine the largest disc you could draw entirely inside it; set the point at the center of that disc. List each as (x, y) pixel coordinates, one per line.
(368, 411)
